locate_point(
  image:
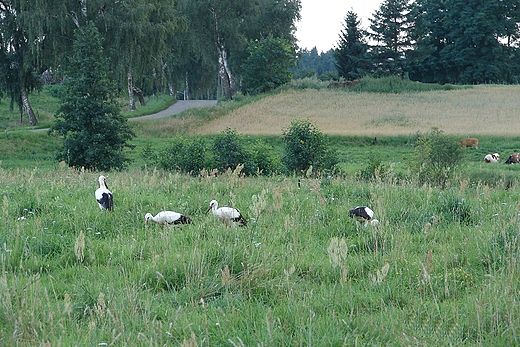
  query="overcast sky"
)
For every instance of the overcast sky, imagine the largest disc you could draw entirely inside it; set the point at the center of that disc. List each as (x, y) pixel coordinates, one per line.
(322, 20)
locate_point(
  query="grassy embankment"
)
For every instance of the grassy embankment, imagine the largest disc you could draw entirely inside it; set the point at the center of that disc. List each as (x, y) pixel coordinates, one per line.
(441, 269)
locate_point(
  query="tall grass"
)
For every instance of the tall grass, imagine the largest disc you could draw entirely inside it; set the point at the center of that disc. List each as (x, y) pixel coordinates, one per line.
(302, 273)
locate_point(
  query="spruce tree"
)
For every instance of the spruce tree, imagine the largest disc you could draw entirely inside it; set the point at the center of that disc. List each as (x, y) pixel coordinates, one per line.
(89, 119)
(390, 27)
(352, 60)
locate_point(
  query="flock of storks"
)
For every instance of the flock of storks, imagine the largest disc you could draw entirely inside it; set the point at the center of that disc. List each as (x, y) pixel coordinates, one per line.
(227, 215)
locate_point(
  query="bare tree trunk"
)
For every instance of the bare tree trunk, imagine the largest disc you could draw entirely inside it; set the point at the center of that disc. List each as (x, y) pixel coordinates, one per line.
(140, 96)
(226, 75)
(186, 87)
(131, 104)
(26, 105)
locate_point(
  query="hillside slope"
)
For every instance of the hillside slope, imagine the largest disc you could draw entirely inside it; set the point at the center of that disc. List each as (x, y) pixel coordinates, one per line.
(482, 110)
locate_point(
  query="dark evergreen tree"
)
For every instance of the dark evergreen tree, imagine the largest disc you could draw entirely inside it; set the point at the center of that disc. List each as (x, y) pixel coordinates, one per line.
(311, 63)
(352, 60)
(89, 119)
(430, 37)
(390, 28)
(466, 42)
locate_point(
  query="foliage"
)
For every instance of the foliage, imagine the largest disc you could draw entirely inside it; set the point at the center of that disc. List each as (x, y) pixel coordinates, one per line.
(267, 65)
(311, 63)
(304, 83)
(465, 42)
(397, 85)
(390, 27)
(305, 148)
(229, 150)
(20, 54)
(183, 155)
(375, 169)
(436, 158)
(352, 59)
(89, 120)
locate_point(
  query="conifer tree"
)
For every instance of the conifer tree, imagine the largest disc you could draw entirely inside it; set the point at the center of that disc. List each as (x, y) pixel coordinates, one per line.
(352, 60)
(390, 27)
(89, 119)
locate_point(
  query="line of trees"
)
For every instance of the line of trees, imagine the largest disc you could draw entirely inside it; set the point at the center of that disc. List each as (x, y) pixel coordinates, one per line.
(441, 41)
(214, 48)
(197, 46)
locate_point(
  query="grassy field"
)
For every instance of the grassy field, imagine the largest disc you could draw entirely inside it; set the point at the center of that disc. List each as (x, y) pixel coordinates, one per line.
(442, 268)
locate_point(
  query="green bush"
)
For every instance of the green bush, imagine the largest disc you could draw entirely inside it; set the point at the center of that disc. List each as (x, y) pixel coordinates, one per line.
(436, 158)
(264, 161)
(229, 151)
(305, 147)
(184, 155)
(374, 169)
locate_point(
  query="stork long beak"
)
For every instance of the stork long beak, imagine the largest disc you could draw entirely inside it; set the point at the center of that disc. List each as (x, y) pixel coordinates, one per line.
(105, 183)
(209, 208)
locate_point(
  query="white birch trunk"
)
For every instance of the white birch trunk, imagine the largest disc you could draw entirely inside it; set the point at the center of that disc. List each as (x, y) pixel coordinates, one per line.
(226, 75)
(131, 101)
(27, 109)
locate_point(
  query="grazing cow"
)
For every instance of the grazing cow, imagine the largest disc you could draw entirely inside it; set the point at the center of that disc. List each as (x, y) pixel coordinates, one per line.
(471, 142)
(513, 159)
(492, 158)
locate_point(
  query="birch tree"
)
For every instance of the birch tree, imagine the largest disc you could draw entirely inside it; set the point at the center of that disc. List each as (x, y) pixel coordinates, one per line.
(20, 50)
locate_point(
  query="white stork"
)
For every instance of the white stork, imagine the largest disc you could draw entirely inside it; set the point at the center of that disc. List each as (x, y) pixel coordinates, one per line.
(167, 218)
(363, 214)
(226, 215)
(104, 196)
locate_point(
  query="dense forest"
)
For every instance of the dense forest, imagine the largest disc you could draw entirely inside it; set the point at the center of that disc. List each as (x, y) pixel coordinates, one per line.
(215, 48)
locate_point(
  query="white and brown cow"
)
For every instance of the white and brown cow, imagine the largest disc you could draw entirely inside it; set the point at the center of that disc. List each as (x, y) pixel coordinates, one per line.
(513, 159)
(492, 158)
(471, 142)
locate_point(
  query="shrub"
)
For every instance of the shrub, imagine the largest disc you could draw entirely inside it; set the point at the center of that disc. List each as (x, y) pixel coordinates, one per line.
(436, 158)
(263, 160)
(229, 151)
(184, 155)
(374, 169)
(305, 147)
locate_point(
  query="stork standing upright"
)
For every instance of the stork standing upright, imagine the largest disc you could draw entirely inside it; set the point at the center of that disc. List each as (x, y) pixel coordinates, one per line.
(363, 214)
(104, 196)
(167, 218)
(227, 215)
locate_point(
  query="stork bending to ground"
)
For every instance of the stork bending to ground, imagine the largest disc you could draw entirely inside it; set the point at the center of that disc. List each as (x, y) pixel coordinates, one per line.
(104, 196)
(167, 218)
(363, 214)
(227, 215)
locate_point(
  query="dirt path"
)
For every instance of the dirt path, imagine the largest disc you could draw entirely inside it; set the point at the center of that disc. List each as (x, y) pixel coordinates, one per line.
(178, 107)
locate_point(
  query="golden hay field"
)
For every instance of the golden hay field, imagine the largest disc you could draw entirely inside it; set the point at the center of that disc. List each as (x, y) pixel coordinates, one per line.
(481, 110)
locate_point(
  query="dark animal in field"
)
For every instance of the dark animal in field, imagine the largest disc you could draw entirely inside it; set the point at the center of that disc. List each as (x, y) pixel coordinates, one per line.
(513, 159)
(471, 142)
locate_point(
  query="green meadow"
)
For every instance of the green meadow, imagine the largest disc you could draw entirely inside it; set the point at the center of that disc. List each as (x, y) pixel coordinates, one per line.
(441, 269)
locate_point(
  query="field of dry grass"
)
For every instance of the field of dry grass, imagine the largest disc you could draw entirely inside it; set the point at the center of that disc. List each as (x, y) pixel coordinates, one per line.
(481, 110)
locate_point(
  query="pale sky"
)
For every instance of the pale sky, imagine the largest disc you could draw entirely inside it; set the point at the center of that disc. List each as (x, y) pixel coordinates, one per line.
(322, 20)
